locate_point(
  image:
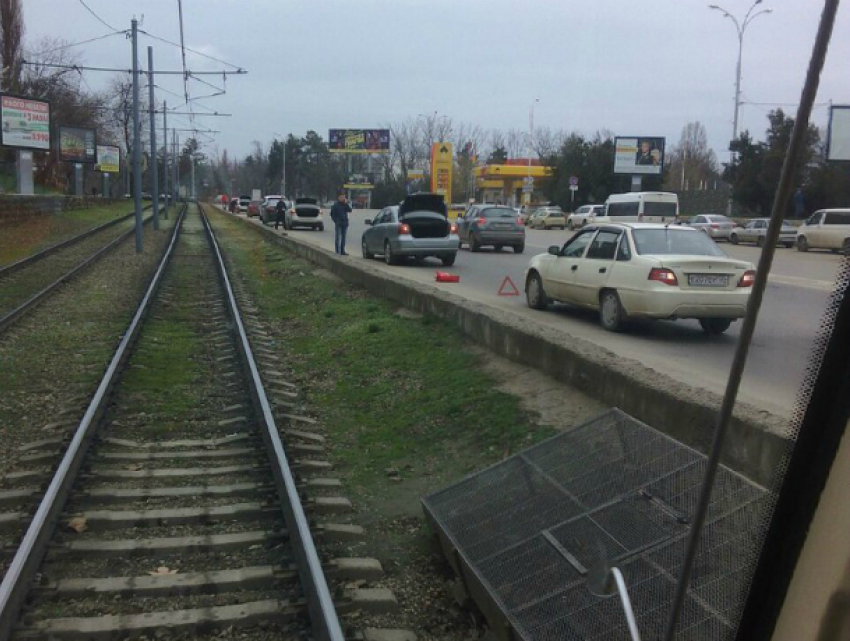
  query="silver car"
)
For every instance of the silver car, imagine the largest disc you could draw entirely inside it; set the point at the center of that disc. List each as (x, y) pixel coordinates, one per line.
(755, 231)
(713, 225)
(417, 228)
(584, 215)
(494, 225)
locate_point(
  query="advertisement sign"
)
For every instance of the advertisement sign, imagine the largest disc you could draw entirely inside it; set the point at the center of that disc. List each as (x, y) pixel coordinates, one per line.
(26, 123)
(838, 136)
(639, 155)
(77, 144)
(441, 169)
(359, 141)
(108, 159)
(415, 174)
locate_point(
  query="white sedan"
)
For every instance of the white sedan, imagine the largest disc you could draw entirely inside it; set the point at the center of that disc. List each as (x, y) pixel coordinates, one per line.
(643, 269)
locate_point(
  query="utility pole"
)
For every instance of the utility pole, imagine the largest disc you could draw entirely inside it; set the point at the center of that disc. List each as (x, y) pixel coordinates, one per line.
(154, 167)
(165, 155)
(192, 165)
(137, 140)
(176, 163)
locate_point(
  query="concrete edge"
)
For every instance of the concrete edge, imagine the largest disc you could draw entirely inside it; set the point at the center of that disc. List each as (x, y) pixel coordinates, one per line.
(755, 444)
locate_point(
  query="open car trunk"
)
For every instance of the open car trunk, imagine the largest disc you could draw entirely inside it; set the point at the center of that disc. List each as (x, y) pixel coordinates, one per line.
(426, 215)
(306, 207)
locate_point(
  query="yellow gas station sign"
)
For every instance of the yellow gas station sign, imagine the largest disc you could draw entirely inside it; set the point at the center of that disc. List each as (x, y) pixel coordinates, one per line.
(442, 161)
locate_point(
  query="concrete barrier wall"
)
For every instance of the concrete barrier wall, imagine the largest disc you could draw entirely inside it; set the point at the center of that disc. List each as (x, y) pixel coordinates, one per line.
(755, 446)
(15, 208)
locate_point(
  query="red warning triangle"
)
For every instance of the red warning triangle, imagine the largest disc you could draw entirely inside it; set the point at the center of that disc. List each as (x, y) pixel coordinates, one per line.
(508, 288)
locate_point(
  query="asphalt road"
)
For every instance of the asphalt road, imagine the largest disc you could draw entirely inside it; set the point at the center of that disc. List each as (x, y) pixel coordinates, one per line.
(796, 297)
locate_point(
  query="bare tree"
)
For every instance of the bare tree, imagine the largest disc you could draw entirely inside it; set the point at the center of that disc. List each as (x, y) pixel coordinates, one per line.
(406, 140)
(692, 163)
(516, 143)
(434, 128)
(11, 40)
(546, 142)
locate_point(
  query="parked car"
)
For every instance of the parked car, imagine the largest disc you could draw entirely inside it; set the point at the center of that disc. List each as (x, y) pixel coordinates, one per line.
(494, 225)
(419, 228)
(244, 201)
(645, 270)
(755, 231)
(713, 225)
(825, 229)
(584, 215)
(254, 208)
(304, 213)
(268, 211)
(548, 218)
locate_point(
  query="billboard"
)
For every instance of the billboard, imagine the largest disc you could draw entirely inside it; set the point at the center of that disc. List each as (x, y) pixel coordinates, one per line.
(108, 159)
(639, 155)
(26, 123)
(359, 141)
(442, 163)
(77, 144)
(838, 136)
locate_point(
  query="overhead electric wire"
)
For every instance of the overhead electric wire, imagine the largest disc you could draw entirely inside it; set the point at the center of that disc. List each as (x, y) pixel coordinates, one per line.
(83, 42)
(101, 20)
(189, 49)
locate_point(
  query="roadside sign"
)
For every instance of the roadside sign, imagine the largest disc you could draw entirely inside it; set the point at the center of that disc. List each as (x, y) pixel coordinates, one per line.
(527, 189)
(573, 187)
(573, 181)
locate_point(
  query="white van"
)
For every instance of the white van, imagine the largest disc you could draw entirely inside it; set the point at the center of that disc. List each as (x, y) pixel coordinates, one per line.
(825, 229)
(640, 207)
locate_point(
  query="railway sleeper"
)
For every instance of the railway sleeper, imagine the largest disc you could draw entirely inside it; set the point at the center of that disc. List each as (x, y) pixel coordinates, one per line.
(178, 472)
(197, 621)
(111, 519)
(209, 582)
(171, 545)
(209, 442)
(118, 495)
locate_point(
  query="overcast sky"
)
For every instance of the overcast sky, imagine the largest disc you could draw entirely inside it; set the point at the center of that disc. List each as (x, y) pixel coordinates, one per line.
(635, 67)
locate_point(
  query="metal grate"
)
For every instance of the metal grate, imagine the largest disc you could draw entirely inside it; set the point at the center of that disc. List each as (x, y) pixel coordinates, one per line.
(523, 534)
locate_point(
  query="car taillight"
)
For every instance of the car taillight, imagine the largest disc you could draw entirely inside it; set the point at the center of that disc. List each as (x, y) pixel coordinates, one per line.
(519, 221)
(403, 228)
(715, 226)
(481, 221)
(747, 279)
(453, 229)
(665, 276)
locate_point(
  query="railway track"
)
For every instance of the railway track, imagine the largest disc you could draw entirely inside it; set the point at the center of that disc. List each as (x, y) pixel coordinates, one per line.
(179, 508)
(27, 282)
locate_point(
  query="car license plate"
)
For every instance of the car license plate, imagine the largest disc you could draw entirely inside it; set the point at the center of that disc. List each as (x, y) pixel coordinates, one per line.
(708, 280)
(503, 226)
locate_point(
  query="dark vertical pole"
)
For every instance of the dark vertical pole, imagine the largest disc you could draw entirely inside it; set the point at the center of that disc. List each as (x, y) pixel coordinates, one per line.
(137, 141)
(165, 154)
(154, 164)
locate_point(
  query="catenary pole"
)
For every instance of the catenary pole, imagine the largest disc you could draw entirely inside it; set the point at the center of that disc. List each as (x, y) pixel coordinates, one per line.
(137, 140)
(165, 155)
(154, 169)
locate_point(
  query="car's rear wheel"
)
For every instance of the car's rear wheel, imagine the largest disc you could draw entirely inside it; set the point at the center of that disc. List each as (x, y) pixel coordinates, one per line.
(802, 244)
(760, 241)
(611, 313)
(474, 245)
(498, 248)
(535, 295)
(321, 227)
(366, 253)
(448, 261)
(389, 257)
(571, 225)
(789, 245)
(733, 238)
(518, 249)
(714, 326)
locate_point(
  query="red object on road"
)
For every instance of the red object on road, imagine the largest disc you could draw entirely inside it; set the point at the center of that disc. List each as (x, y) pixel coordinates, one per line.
(508, 288)
(445, 277)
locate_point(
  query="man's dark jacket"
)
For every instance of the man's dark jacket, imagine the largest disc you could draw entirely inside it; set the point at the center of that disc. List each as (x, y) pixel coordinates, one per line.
(339, 213)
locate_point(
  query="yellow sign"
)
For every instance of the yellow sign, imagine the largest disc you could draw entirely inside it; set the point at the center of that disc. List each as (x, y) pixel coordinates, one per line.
(442, 161)
(358, 186)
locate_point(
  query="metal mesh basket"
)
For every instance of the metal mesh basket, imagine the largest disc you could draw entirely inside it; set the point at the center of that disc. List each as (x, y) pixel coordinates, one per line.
(524, 533)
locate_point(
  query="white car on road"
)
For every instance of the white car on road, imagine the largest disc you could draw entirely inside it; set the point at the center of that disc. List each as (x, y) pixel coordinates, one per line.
(584, 215)
(645, 270)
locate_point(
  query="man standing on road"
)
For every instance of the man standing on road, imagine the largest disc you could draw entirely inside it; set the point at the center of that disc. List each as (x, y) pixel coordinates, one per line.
(339, 214)
(279, 212)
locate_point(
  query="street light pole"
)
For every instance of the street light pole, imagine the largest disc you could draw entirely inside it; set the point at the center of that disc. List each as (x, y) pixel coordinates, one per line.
(530, 144)
(740, 28)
